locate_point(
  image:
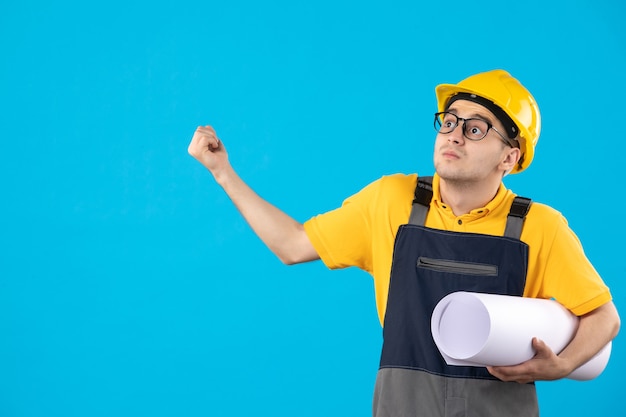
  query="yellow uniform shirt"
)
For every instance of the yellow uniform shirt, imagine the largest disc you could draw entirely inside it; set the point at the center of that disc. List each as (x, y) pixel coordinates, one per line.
(362, 233)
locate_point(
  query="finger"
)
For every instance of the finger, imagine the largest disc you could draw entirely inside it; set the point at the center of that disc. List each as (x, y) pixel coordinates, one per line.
(541, 348)
(206, 129)
(510, 374)
(206, 137)
(214, 143)
(508, 371)
(498, 372)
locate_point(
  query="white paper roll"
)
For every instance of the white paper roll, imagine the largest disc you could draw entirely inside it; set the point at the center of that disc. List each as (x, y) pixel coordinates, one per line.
(475, 329)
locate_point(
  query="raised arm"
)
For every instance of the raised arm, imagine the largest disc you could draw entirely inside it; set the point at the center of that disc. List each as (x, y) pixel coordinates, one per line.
(282, 234)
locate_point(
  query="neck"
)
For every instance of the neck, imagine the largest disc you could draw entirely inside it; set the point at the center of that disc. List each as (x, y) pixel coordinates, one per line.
(465, 196)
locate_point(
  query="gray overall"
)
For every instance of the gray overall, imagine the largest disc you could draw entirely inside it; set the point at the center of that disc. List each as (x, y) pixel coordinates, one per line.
(428, 264)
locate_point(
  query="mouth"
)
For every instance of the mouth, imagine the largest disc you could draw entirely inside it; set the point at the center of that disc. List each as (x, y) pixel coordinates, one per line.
(450, 154)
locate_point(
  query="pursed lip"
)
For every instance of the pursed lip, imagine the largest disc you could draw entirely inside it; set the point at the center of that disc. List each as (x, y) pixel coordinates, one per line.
(449, 153)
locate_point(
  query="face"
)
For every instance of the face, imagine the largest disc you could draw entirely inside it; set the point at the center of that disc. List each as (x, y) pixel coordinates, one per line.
(459, 159)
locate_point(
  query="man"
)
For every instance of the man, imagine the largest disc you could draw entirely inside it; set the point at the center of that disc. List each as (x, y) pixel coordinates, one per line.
(422, 238)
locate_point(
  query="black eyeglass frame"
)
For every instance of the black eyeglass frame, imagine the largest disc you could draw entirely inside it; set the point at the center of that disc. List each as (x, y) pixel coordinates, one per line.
(489, 127)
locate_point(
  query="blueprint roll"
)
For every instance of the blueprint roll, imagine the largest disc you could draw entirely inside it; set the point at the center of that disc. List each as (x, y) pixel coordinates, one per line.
(475, 329)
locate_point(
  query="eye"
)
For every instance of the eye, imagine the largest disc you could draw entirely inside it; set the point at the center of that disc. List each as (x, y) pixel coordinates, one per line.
(476, 128)
(449, 120)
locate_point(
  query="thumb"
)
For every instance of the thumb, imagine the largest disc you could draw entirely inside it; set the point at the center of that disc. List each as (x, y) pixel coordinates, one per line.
(540, 347)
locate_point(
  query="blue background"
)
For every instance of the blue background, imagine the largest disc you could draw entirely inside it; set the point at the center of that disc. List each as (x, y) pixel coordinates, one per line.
(129, 284)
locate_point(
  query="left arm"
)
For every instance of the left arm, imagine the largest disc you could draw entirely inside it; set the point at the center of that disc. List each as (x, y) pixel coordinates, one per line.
(595, 330)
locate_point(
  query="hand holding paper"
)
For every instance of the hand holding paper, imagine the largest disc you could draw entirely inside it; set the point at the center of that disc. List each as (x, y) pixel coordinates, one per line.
(475, 329)
(544, 366)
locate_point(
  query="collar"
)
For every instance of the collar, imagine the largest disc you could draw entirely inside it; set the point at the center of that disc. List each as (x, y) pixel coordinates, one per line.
(492, 205)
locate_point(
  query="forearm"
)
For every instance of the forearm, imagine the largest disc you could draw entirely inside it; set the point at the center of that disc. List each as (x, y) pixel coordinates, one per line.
(595, 330)
(283, 235)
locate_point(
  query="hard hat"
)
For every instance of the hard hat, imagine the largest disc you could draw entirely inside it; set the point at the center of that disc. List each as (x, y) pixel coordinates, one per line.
(499, 87)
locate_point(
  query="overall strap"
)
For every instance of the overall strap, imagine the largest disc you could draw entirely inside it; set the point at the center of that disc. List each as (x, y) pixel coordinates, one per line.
(424, 193)
(421, 202)
(517, 214)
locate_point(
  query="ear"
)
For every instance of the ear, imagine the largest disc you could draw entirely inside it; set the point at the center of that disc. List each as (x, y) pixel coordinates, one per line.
(510, 157)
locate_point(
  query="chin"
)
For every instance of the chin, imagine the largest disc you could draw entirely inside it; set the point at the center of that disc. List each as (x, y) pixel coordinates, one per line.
(447, 172)
(454, 175)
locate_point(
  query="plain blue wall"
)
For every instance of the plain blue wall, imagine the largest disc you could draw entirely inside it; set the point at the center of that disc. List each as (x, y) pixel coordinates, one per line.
(129, 285)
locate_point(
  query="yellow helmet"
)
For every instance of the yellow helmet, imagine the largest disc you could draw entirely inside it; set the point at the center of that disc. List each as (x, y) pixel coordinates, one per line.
(499, 87)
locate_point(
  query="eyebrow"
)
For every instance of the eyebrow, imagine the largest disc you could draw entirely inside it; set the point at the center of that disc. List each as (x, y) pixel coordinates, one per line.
(473, 116)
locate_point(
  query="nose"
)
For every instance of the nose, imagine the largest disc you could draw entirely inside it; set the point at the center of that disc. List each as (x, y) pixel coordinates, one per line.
(456, 136)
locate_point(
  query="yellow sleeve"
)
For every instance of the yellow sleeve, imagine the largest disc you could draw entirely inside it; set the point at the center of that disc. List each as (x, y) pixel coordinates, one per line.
(558, 266)
(342, 237)
(362, 231)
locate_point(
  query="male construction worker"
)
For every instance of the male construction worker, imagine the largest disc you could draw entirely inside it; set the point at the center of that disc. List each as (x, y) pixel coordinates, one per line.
(422, 238)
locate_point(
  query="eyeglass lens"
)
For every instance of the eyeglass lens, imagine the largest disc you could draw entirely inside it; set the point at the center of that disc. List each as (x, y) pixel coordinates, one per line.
(473, 129)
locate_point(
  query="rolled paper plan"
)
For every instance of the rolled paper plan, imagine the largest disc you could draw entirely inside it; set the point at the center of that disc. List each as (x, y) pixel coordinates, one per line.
(475, 329)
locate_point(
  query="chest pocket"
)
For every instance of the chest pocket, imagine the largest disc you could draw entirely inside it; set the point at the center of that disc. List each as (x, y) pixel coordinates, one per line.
(457, 267)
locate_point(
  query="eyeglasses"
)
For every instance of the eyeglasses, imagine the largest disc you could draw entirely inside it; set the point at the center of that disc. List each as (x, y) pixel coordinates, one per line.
(473, 129)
